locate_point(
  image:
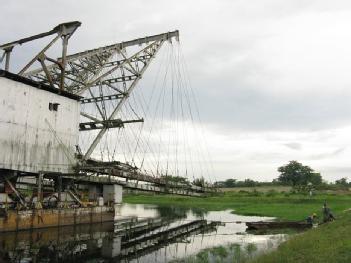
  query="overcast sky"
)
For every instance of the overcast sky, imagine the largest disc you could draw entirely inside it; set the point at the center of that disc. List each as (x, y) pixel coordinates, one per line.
(272, 77)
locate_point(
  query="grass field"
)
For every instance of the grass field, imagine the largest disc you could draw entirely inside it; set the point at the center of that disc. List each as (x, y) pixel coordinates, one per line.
(281, 205)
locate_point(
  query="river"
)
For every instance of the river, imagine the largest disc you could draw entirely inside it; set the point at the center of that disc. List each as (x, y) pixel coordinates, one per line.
(144, 233)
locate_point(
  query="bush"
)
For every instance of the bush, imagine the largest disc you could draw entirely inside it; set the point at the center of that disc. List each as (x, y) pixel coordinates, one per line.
(286, 194)
(271, 193)
(255, 193)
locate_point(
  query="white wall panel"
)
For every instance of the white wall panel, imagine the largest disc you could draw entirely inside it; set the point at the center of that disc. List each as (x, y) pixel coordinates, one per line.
(33, 138)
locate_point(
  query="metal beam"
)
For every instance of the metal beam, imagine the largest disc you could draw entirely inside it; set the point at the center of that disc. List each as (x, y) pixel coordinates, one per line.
(62, 29)
(102, 98)
(15, 191)
(115, 47)
(108, 124)
(38, 55)
(121, 102)
(97, 78)
(86, 115)
(121, 45)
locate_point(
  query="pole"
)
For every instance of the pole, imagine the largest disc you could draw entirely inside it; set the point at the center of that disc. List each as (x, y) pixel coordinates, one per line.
(40, 191)
(63, 62)
(7, 59)
(59, 188)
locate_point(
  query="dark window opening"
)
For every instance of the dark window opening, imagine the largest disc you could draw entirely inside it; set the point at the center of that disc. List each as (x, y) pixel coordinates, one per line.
(53, 106)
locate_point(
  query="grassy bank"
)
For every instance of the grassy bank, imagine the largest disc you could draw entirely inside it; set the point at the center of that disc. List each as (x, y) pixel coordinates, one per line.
(328, 243)
(325, 244)
(282, 205)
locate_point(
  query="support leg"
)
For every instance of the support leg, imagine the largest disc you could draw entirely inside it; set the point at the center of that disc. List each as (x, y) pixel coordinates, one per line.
(59, 188)
(38, 205)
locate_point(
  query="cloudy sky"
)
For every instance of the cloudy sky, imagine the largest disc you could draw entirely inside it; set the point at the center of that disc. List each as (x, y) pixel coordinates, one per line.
(272, 77)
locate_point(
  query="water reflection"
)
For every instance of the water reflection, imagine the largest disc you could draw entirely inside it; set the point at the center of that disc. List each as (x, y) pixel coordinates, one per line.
(141, 233)
(171, 212)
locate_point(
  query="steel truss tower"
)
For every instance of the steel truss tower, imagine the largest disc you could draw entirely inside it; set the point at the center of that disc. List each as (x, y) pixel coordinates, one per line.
(96, 75)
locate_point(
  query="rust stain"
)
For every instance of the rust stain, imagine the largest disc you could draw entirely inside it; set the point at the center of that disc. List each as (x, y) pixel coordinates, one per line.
(43, 218)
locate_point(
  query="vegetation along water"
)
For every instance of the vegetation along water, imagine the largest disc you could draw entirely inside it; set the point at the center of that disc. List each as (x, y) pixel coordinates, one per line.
(327, 243)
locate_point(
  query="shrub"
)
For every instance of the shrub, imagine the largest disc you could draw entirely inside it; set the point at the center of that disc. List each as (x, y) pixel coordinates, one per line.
(271, 193)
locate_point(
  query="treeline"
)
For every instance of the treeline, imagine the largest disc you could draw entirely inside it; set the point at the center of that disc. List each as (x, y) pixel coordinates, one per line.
(184, 181)
(293, 174)
(230, 183)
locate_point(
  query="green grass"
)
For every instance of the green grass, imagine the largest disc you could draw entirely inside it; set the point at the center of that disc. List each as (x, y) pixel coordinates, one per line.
(281, 205)
(325, 244)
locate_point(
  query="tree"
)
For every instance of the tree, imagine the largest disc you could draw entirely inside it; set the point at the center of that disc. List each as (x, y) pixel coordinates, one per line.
(247, 183)
(199, 182)
(315, 178)
(296, 174)
(175, 179)
(230, 183)
(342, 181)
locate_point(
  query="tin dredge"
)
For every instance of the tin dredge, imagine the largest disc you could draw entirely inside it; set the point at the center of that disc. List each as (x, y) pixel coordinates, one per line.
(46, 179)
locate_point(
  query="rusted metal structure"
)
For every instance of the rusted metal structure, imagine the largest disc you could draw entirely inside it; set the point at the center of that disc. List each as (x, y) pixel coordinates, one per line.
(44, 111)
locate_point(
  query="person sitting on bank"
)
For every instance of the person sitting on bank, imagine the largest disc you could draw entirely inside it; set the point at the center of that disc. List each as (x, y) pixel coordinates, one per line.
(327, 214)
(310, 219)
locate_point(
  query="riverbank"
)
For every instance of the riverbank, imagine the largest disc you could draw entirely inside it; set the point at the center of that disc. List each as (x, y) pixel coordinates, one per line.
(327, 243)
(284, 206)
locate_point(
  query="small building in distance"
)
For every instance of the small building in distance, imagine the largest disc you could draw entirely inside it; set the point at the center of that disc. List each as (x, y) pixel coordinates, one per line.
(38, 126)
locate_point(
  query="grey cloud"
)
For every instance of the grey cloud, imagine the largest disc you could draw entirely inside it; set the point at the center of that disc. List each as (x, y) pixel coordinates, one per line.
(329, 172)
(247, 109)
(293, 145)
(326, 155)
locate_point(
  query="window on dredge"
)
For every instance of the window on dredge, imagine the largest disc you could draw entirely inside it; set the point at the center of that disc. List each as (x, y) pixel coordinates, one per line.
(53, 106)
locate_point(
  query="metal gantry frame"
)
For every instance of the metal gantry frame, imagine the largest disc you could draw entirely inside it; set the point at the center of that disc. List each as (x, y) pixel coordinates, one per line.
(86, 72)
(95, 75)
(98, 75)
(63, 31)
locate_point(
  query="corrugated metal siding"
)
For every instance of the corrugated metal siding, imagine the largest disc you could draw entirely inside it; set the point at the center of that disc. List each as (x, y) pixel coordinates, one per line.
(33, 138)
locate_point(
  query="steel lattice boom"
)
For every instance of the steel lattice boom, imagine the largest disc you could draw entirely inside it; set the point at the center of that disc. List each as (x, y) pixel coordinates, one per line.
(98, 74)
(102, 79)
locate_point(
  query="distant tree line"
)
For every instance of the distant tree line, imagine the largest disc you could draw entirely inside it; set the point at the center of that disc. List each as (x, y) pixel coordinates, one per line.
(171, 179)
(229, 183)
(293, 174)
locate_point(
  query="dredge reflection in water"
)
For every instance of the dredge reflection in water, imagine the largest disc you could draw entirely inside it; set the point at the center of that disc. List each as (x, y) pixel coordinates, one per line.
(140, 233)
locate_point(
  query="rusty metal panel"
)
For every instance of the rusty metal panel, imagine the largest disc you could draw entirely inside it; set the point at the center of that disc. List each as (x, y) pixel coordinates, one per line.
(35, 136)
(43, 218)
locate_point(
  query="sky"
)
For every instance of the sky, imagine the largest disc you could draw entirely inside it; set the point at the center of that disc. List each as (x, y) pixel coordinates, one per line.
(272, 77)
